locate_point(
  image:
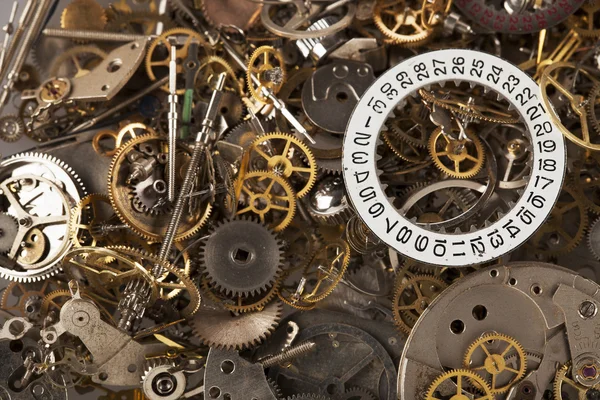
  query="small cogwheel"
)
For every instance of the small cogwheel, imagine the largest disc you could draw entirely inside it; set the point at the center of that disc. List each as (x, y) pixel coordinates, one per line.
(592, 102)
(565, 388)
(267, 196)
(357, 393)
(9, 227)
(487, 355)
(267, 66)
(12, 128)
(457, 158)
(452, 384)
(286, 156)
(401, 24)
(412, 296)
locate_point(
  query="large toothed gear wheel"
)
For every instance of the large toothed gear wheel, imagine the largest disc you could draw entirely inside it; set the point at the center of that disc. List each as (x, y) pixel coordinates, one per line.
(411, 298)
(122, 197)
(218, 327)
(242, 257)
(487, 358)
(492, 238)
(39, 192)
(462, 389)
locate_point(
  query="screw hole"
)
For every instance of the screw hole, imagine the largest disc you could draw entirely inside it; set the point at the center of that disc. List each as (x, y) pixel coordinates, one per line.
(457, 327)
(479, 312)
(494, 273)
(536, 289)
(227, 367)
(214, 392)
(512, 281)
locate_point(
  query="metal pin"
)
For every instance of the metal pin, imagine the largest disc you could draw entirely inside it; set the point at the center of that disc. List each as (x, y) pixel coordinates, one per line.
(172, 119)
(8, 31)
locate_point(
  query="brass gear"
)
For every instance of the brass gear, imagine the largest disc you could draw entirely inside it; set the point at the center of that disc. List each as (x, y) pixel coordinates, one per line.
(582, 21)
(563, 384)
(87, 215)
(263, 61)
(241, 304)
(182, 51)
(456, 152)
(401, 24)
(491, 363)
(459, 102)
(553, 231)
(208, 71)
(83, 14)
(150, 227)
(461, 376)
(593, 100)
(264, 193)
(81, 65)
(26, 294)
(325, 270)
(412, 296)
(285, 160)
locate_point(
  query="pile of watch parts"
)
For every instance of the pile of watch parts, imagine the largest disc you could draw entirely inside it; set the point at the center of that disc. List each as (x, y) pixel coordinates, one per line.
(300, 200)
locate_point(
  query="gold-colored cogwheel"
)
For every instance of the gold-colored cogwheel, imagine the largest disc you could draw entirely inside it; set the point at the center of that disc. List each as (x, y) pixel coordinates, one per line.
(87, 214)
(284, 155)
(83, 15)
(412, 297)
(150, 227)
(565, 388)
(325, 270)
(400, 24)
(25, 292)
(153, 64)
(583, 20)
(461, 103)
(263, 193)
(262, 63)
(460, 159)
(490, 363)
(460, 379)
(208, 71)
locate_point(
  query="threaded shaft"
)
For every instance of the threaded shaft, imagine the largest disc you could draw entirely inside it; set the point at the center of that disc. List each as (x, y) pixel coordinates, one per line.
(288, 354)
(93, 35)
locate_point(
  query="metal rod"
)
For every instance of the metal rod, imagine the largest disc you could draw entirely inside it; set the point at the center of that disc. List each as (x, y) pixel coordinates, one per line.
(99, 36)
(172, 121)
(8, 31)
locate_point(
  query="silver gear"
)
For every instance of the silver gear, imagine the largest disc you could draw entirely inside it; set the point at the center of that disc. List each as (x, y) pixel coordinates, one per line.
(146, 199)
(242, 257)
(9, 226)
(242, 134)
(593, 239)
(158, 383)
(12, 128)
(217, 327)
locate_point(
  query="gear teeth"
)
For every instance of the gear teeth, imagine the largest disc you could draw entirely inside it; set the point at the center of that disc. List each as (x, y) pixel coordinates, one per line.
(221, 286)
(17, 122)
(400, 287)
(593, 238)
(591, 107)
(307, 396)
(223, 327)
(306, 155)
(483, 386)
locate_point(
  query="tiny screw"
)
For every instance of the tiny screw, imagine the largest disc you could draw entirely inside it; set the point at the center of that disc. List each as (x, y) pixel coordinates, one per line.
(587, 309)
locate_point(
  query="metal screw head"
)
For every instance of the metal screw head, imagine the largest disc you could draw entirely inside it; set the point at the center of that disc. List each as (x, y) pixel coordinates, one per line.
(587, 309)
